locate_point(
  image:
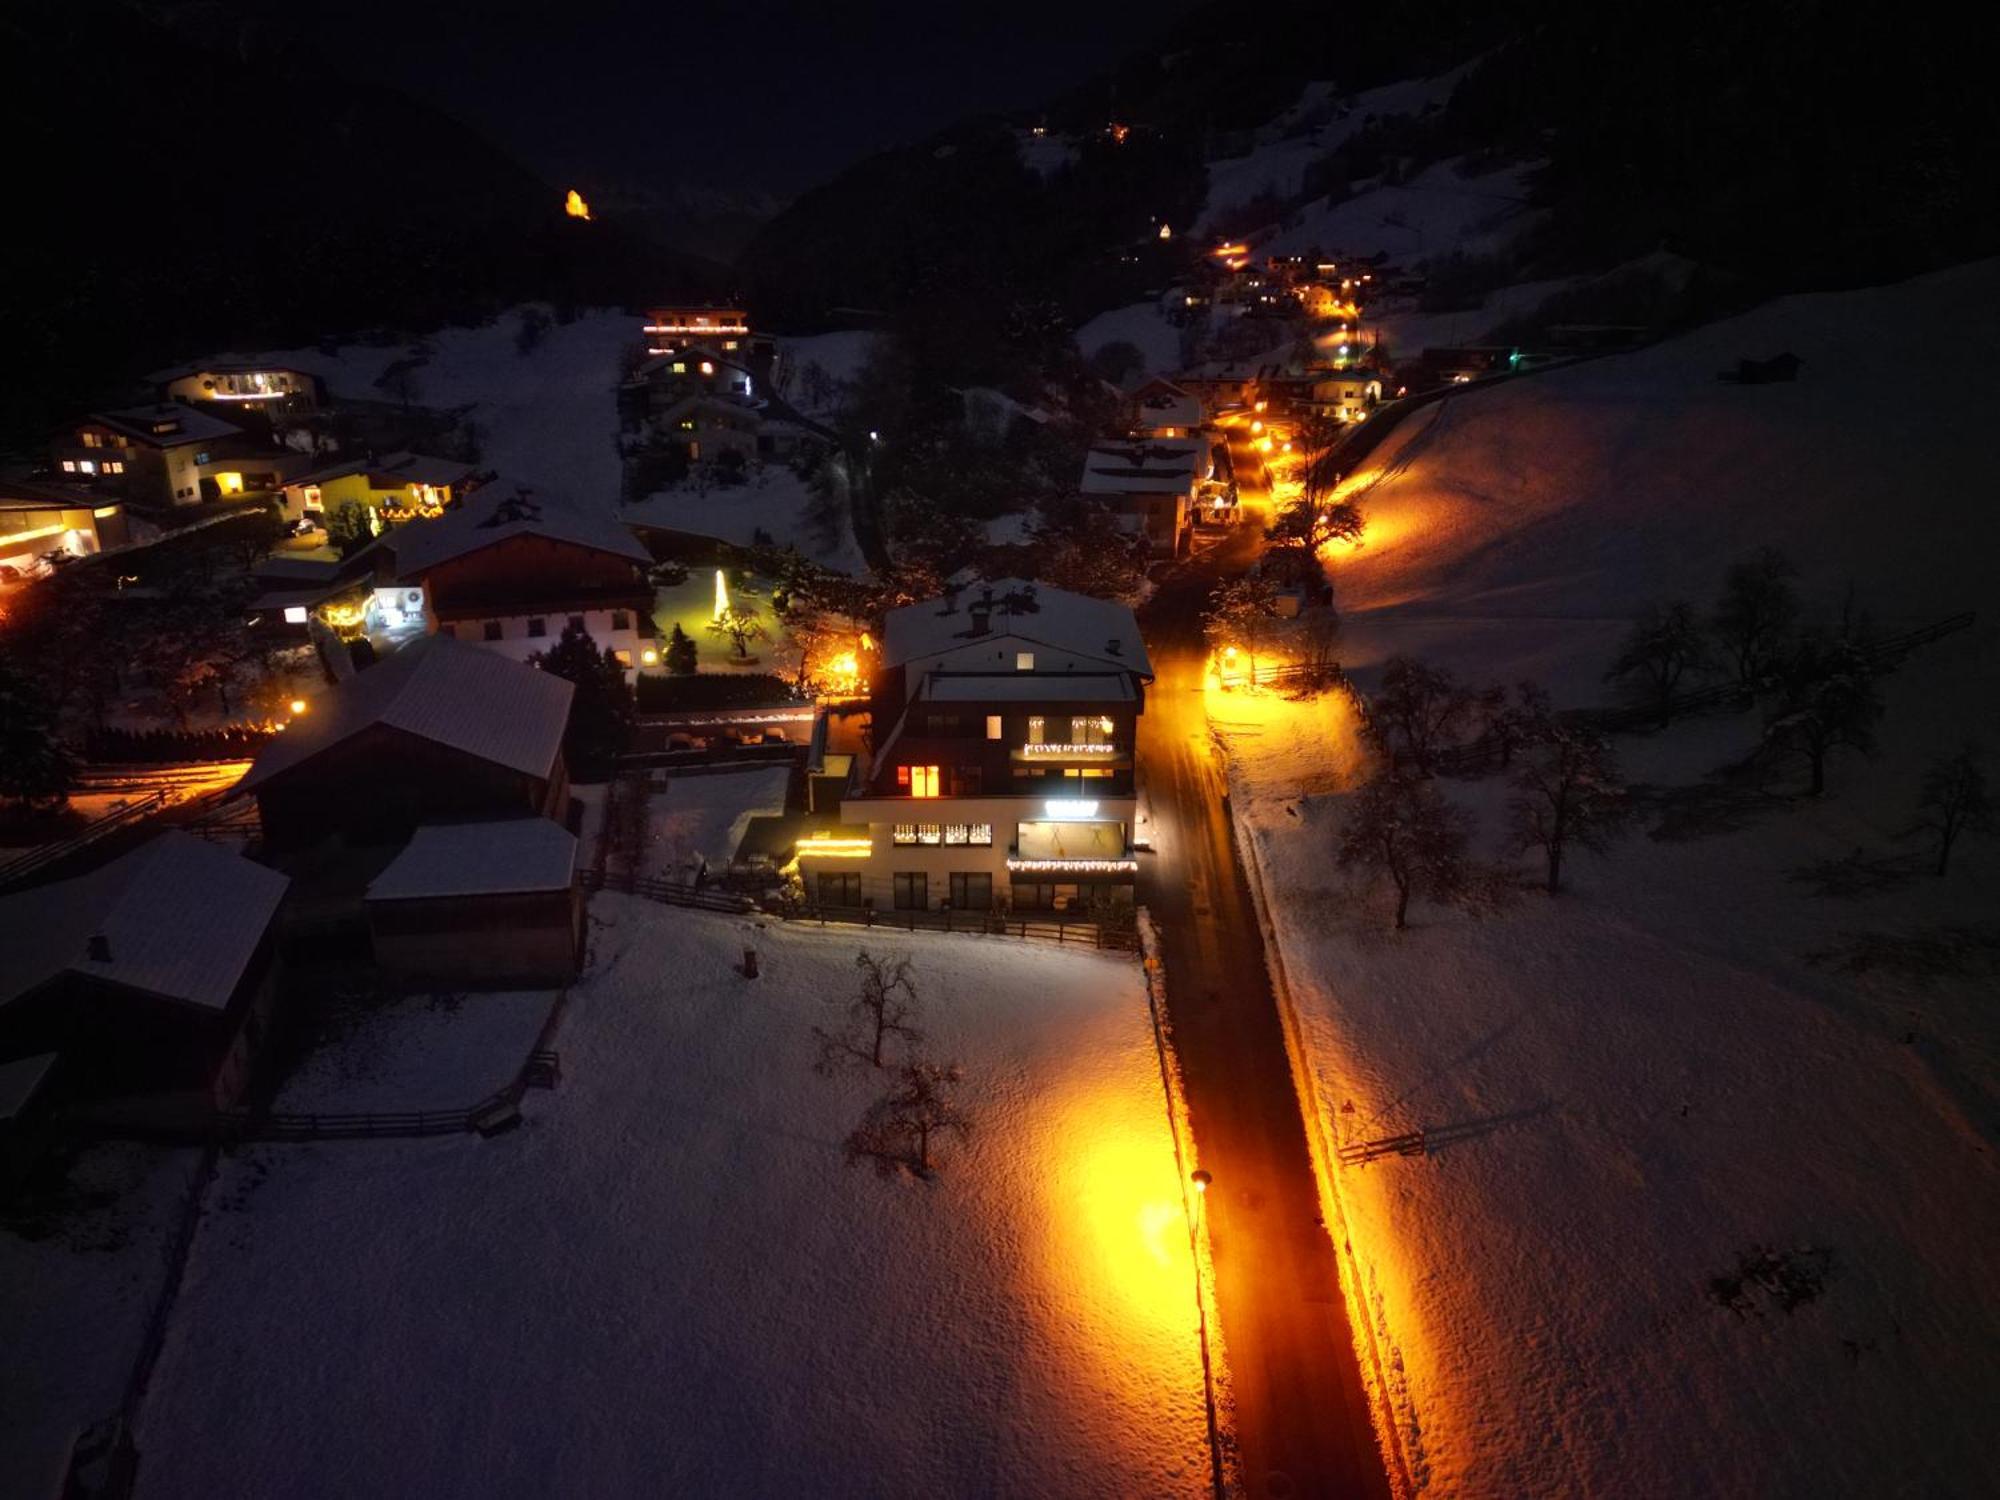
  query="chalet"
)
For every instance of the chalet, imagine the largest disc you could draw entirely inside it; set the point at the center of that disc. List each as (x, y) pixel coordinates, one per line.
(1150, 487)
(264, 388)
(723, 330)
(508, 568)
(145, 455)
(513, 882)
(706, 427)
(438, 731)
(396, 486)
(1220, 383)
(667, 379)
(1347, 395)
(1004, 720)
(151, 975)
(1161, 409)
(38, 519)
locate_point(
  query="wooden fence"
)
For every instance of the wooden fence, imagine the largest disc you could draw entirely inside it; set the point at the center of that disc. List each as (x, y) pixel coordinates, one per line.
(19, 869)
(666, 891)
(997, 924)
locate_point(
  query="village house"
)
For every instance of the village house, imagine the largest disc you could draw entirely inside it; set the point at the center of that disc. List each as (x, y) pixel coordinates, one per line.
(665, 380)
(438, 731)
(1151, 487)
(507, 569)
(394, 486)
(704, 428)
(268, 389)
(1004, 718)
(153, 456)
(38, 519)
(1220, 384)
(725, 330)
(151, 975)
(1161, 409)
(512, 882)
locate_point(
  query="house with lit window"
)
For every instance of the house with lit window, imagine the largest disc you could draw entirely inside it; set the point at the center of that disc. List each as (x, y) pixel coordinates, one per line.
(1004, 720)
(509, 568)
(699, 370)
(145, 455)
(1161, 409)
(37, 520)
(1149, 485)
(396, 486)
(267, 389)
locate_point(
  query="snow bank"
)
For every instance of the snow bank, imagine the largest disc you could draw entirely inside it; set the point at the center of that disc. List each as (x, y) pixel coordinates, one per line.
(1434, 213)
(420, 1052)
(1141, 325)
(666, 1282)
(697, 820)
(772, 501)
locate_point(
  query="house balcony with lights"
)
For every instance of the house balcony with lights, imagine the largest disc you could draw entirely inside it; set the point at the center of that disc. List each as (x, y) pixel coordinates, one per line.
(1003, 775)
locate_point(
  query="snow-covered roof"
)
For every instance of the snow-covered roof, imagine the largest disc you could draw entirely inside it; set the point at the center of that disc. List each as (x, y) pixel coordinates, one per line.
(1094, 628)
(1023, 687)
(393, 471)
(1114, 468)
(21, 1080)
(514, 856)
(180, 918)
(1165, 404)
(500, 510)
(186, 423)
(446, 691)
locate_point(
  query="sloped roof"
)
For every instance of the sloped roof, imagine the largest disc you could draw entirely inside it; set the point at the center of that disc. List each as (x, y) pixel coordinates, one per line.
(20, 1080)
(23, 494)
(509, 857)
(500, 510)
(393, 470)
(442, 690)
(1095, 629)
(180, 918)
(1143, 467)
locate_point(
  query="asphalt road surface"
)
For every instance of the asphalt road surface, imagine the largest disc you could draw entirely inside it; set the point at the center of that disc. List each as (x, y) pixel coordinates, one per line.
(1303, 1422)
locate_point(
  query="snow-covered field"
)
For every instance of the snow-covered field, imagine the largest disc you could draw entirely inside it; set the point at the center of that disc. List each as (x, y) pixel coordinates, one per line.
(667, 1282)
(1141, 325)
(549, 415)
(77, 1281)
(1671, 1071)
(1434, 213)
(700, 819)
(772, 502)
(418, 1052)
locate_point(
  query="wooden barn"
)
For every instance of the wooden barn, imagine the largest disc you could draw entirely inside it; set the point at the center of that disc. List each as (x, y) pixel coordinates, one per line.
(438, 731)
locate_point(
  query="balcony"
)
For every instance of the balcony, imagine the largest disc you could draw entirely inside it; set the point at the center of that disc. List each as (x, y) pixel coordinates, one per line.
(1060, 846)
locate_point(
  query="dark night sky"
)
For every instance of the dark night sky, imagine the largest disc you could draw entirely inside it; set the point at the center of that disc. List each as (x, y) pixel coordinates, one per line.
(767, 98)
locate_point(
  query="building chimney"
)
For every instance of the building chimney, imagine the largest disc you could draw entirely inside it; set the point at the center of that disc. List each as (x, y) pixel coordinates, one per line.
(99, 948)
(981, 616)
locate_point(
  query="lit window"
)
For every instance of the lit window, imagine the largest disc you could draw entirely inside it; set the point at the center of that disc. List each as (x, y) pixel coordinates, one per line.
(1038, 730)
(114, 466)
(904, 833)
(623, 658)
(923, 781)
(955, 833)
(90, 466)
(707, 368)
(295, 614)
(993, 726)
(69, 466)
(1024, 661)
(680, 367)
(982, 833)
(929, 833)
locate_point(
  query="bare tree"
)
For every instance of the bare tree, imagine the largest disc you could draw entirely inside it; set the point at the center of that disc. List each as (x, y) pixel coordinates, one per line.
(1664, 647)
(1952, 801)
(1240, 612)
(897, 1129)
(1568, 795)
(886, 1006)
(1405, 830)
(739, 624)
(1316, 641)
(1508, 724)
(1421, 709)
(1826, 701)
(1307, 524)
(1756, 612)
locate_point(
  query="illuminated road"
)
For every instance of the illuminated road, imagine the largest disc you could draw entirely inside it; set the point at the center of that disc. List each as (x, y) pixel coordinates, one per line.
(1302, 1420)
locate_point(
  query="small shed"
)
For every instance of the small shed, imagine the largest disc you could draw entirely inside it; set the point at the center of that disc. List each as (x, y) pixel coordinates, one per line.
(480, 906)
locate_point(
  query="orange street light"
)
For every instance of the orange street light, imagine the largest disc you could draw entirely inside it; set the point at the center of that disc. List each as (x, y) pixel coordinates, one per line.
(298, 706)
(1200, 1179)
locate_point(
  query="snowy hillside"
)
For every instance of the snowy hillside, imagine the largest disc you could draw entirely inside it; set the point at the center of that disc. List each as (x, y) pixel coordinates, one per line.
(549, 415)
(667, 1281)
(1517, 529)
(1710, 1198)
(1435, 213)
(1141, 325)
(1308, 130)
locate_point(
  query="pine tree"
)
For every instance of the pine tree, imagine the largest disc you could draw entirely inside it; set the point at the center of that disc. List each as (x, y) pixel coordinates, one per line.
(600, 714)
(681, 653)
(36, 770)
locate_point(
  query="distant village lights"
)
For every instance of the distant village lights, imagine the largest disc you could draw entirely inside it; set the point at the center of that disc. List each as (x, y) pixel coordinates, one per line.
(575, 207)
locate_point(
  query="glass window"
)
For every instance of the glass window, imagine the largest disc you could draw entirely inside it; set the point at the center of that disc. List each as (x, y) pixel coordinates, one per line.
(537, 626)
(576, 623)
(69, 466)
(923, 781)
(971, 891)
(904, 833)
(994, 727)
(955, 833)
(1038, 730)
(929, 833)
(1024, 661)
(623, 658)
(839, 889)
(492, 632)
(981, 833)
(621, 620)
(912, 888)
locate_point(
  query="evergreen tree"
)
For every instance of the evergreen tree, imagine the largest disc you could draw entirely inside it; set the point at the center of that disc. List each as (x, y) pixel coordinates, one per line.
(36, 770)
(681, 653)
(600, 715)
